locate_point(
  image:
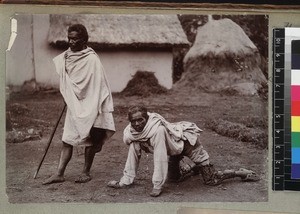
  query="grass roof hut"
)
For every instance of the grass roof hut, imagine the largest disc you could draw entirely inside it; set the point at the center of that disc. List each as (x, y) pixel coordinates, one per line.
(223, 58)
(126, 43)
(120, 31)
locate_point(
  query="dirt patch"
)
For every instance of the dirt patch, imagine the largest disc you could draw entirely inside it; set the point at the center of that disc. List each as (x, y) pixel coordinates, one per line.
(21, 136)
(42, 111)
(143, 84)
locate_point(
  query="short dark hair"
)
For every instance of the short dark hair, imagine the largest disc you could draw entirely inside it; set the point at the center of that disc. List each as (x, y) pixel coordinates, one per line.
(135, 109)
(81, 30)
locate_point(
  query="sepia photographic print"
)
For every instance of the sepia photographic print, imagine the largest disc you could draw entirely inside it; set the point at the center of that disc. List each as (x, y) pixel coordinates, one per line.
(137, 108)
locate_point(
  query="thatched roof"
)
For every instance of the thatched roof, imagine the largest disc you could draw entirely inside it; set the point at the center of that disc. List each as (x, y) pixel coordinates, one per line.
(121, 30)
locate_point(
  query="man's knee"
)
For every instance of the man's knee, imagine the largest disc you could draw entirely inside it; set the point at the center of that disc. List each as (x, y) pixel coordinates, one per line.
(97, 147)
(196, 153)
(66, 145)
(98, 137)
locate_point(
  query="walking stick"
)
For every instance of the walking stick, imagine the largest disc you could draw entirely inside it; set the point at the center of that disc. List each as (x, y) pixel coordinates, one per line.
(49, 141)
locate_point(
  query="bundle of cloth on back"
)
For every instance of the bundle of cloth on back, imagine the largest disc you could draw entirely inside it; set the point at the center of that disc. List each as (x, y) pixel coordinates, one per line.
(176, 149)
(177, 133)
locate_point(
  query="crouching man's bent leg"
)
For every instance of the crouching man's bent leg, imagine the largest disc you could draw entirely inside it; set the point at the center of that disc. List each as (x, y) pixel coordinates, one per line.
(209, 174)
(213, 177)
(131, 167)
(160, 159)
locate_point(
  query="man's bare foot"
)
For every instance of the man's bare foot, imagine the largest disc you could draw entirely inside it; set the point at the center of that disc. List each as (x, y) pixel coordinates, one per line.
(83, 178)
(54, 179)
(155, 192)
(118, 185)
(247, 175)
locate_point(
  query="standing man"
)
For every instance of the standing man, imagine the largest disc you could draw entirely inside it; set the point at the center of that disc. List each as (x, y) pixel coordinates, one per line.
(151, 133)
(86, 92)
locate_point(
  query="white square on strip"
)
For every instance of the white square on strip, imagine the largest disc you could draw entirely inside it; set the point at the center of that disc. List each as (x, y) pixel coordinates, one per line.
(295, 80)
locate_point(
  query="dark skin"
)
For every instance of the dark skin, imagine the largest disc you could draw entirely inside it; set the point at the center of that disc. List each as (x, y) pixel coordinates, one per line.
(138, 121)
(76, 43)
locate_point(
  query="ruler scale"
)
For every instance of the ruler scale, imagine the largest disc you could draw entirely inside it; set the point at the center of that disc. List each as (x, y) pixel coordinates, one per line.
(282, 114)
(278, 109)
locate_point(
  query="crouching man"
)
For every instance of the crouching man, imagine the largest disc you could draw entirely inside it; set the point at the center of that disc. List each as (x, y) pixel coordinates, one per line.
(169, 143)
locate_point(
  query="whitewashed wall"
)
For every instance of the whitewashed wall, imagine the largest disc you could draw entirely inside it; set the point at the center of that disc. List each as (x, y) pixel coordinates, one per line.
(43, 52)
(120, 66)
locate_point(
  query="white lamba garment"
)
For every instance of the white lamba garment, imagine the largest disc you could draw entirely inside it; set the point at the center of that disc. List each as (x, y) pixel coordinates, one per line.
(85, 99)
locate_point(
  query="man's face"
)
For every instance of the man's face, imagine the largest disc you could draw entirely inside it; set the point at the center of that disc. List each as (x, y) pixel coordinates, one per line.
(76, 43)
(137, 121)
